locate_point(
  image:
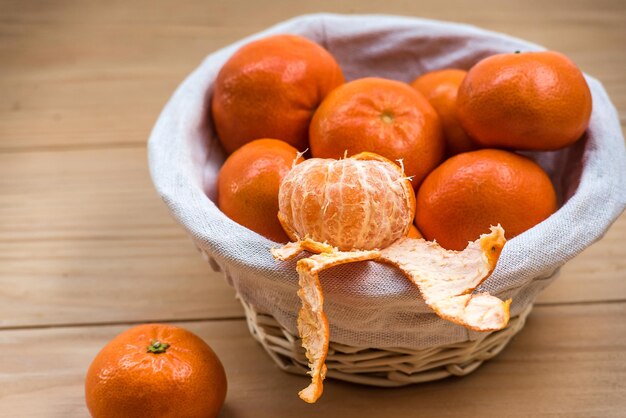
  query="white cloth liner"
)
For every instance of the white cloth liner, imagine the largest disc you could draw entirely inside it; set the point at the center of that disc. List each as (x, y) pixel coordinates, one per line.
(369, 304)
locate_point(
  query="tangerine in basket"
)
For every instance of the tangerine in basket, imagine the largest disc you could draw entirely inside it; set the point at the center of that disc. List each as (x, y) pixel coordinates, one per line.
(466, 194)
(414, 232)
(155, 370)
(270, 88)
(361, 202)
(248, 182)
(382, 116)
(441, 88)
(525, 101)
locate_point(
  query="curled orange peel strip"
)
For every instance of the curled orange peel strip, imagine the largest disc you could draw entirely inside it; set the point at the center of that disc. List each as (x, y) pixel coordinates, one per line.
(445, 279)
(312, 323)
(292, 249)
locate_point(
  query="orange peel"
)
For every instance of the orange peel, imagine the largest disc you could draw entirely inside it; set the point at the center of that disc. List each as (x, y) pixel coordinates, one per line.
(292, 249)
(312, 323)
(446, 278)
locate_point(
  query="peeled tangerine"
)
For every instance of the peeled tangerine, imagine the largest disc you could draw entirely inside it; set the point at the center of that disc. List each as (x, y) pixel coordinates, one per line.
(361, 208)
(362, 202)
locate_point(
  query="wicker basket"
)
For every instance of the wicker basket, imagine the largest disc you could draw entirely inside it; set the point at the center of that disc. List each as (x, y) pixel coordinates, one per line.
(185, 157)
(391, 367)
(380, 367)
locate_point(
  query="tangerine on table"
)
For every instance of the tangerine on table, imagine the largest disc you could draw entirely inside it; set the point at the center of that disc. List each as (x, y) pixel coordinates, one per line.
(362, 202)
(248, 184)
(525, 101)
(270, 88)
(441, 88)
(469, 192)
(155, 370)
(382, 116)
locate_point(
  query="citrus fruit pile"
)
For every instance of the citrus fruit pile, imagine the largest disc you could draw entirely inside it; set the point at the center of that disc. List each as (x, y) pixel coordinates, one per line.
(414, 175)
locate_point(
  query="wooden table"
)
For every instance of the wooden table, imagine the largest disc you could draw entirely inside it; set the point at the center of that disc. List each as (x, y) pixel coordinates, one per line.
(87, 249)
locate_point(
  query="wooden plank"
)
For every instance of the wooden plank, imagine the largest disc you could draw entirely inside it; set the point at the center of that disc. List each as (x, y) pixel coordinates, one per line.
(84, 238)
(84, 73)
(88, 97)
(87, 78)
(80, 194)
(111, 280)
(568, 362)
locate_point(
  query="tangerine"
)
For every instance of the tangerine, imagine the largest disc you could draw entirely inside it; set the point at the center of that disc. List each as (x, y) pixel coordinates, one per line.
(525, 101)
(414, 232)
(469, 192)
(270, 88)
(441, 88)
(155, 370)
(362, 202)
(382, 116)
(248, 184)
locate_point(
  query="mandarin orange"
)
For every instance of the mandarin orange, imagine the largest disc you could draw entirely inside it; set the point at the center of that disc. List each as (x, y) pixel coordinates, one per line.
(525, 101)
(248, 184)
(270, 88)
(155, 370)
(441, 88)
(382, 116)
(361, 202)
(414, 232)
(469, 192)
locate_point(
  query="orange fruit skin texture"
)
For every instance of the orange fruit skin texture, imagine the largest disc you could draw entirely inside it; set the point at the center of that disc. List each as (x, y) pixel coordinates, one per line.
(126, 381)
(414, 232)
(469, 192)
(361, 203)
(270, 88)
(382, 116)
(440, 88)
(525, 101)
(248, 183)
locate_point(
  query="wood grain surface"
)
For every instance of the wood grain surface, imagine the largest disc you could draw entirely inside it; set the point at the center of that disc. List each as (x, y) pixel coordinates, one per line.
(87, 248)
(569, 361)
